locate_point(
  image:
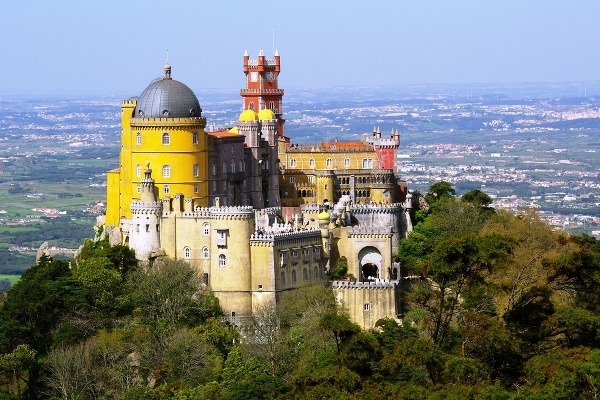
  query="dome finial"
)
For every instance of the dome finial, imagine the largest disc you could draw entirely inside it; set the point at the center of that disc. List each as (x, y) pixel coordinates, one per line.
(167, 68)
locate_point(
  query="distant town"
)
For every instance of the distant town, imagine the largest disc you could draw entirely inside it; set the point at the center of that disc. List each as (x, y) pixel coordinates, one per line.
(530, 147)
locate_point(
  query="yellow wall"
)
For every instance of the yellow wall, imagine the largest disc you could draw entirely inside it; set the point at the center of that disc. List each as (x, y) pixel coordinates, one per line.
(180, 154)
(112, 197)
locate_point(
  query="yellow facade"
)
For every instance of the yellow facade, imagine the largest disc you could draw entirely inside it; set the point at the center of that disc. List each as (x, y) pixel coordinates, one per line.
(174, 148)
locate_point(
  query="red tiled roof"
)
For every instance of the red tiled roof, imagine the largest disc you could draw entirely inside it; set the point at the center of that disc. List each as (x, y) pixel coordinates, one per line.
(223, 134)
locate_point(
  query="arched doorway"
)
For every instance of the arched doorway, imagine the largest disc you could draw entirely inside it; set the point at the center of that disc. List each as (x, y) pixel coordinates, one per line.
(370, 261)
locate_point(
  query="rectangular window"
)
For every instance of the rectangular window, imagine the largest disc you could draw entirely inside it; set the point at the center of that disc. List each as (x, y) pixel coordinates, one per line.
(166, 189)
(295, 256)
(196, 170)
(317, 253)
(283, 256)
(367, 163)
(166, 139)
(292, 179)
(195, 188)
(367, 307)
(195, 138)
(221, 237)
(306, 255)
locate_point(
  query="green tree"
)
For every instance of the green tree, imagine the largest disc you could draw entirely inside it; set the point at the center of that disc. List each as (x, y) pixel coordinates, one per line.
(340, 270)
(170, 293)
(15, 367)
(453, 264)
(438, 191)
(477, 197)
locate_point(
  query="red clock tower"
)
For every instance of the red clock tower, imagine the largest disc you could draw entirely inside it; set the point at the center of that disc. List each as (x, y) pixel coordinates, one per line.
(261, 87)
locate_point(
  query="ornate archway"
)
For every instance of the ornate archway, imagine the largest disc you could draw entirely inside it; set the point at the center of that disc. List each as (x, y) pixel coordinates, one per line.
(370, 264)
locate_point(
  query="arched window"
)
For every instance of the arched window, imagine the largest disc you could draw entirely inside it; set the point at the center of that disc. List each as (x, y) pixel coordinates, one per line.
(282, 278)
(293, 276)
(205, 253)
(232, 166)
(293, 162)
(222, 260)
(138, 170)
(315, 273)
(166, 139)
(166, 171)
(206, 228)
(196, 170)
(214, 169)
(305, 274)
(272, 105)
(186, 252)
(195, 188)
(138, 138)
(311, 163)
(251, 106)
(346, 162)
(224, 167)
(194, 137)
(329, 163)
(166, 189)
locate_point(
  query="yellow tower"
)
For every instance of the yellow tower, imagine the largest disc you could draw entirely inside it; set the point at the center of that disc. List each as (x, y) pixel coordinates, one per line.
(165, 129)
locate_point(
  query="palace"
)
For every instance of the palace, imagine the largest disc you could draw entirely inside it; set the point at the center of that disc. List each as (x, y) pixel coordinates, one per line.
(253, 213)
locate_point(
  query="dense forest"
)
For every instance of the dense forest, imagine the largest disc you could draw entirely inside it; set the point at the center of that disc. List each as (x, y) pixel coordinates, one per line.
(499, 307)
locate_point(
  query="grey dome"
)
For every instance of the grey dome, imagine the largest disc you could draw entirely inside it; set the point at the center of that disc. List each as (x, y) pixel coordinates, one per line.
(167, 98)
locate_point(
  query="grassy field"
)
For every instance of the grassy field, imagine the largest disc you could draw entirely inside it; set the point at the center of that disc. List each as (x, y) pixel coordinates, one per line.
(11, 278)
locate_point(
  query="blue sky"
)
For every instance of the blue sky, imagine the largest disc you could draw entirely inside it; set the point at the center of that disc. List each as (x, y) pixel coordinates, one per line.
(118, 47)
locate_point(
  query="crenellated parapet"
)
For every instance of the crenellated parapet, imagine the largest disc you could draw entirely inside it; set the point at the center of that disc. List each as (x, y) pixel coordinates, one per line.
(379, 284)
(310, 208)
(139, 207)
(376, 208)
(371, 232)
(225, 212)
(129, 102)
(169, 122)
(295, 234)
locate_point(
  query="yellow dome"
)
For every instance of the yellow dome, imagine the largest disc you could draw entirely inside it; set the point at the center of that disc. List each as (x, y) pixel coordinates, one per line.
(248, 116)
(233, 130)
(266, 114)
(323, 216)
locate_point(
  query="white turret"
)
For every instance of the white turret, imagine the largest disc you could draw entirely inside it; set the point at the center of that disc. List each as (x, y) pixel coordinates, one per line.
(144, 231)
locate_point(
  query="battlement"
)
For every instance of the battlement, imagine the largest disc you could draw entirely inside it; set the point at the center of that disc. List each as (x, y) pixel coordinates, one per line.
(379, 284)
(377, 208)
(331, 148)
(310, 208)
(129, 102)
(370, 231)
(139, 207)
(270, 235)
(277, 92)
(193, 121)
(233, 212)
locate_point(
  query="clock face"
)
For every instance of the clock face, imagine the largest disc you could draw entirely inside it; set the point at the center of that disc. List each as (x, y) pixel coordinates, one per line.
(254, 76)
